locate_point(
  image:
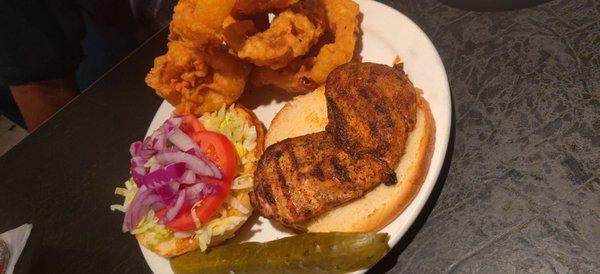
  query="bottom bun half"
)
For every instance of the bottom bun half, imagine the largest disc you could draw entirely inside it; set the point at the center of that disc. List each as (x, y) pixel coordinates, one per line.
(174, 246)
(308, 114)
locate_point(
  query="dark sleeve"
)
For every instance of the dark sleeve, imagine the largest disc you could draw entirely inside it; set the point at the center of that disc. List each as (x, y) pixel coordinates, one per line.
(153, 15)
(39, 40)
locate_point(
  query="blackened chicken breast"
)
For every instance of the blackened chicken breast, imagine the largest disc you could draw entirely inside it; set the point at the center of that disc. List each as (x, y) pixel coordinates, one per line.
(302, 177)
(371, 109)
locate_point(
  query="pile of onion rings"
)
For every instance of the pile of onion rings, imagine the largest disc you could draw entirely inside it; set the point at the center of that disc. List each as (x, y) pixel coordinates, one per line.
(295, 52)
(216, 45)
(197, 75)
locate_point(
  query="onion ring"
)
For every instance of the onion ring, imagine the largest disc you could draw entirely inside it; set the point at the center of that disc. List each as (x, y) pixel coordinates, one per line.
(197, 80)
(309, 72)
(291, 34)
(199, 21)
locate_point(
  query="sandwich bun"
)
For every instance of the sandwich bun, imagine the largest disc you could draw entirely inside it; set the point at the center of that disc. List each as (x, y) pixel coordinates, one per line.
(174, 246)
(307, 114)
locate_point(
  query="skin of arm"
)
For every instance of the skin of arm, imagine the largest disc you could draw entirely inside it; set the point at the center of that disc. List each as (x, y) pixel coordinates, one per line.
(38, 101)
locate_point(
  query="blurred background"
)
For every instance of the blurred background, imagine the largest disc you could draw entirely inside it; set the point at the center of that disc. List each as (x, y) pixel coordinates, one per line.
(98, 33)
(75, 42)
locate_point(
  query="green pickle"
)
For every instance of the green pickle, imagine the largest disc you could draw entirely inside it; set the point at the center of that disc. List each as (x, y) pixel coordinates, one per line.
(334, 252)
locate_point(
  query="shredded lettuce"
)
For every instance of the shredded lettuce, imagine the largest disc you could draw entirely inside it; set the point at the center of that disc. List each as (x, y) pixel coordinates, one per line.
(153, 232)
(217, 227)
(220, 225)
(204, 235)
(245, 181)
(238, 130)
(128, 192)
(235, 203)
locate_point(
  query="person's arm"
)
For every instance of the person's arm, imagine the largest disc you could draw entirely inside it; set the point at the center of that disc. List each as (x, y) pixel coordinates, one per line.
(40, 49)
(40, 100)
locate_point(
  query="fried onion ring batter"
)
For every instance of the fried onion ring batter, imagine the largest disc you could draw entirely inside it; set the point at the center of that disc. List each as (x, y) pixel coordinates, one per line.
(200, 21)
(196, 81)
(291, 34)
(306, 74)
(244, 8)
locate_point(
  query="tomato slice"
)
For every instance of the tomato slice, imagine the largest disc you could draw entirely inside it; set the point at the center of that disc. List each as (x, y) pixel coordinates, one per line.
(191, 124)
(217, 148)
(204, 211)
(180, 222)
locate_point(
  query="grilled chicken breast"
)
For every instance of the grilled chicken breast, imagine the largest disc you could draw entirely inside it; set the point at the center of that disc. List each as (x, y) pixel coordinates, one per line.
(301, 177)
(371, 109)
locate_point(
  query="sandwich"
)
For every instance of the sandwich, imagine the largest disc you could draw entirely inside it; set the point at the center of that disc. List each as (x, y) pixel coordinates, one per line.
(349, 156)
(190, 181)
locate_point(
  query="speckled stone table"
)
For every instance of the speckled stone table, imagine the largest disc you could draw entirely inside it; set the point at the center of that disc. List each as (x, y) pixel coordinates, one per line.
(520, 191)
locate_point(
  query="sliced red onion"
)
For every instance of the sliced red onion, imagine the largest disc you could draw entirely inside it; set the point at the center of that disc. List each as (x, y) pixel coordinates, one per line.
(195, 152)
(149, 146)
(135, 148)
(158, 205)
(165, 174)
(182, 140)
(194, 192)
(198, 165)
(175, 180)
(171, 124)
(200, 190)
(173, 210)
(188, 177)
(211, 189)
(139, 207)
(167, 191)
(139, 161)
(137, 174)
(157, 141)
(214, 168)
(137, 178)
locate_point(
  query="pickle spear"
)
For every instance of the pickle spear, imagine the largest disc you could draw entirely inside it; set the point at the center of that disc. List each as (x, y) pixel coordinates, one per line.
(333, 252)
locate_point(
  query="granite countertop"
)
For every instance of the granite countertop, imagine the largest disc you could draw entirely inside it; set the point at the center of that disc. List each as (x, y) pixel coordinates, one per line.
(522, 192)
(519, 191)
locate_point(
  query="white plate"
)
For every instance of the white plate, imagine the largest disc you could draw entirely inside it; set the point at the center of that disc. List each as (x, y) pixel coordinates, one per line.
(386, 34)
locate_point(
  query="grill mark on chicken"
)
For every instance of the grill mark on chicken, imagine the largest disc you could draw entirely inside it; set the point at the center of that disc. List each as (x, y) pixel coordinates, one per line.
(285, 188)
(342, 173)
(293, 158)
(318, 172)
(268, 194)
(383, 111)
(364, 93)
(373, 127)
(335, 113)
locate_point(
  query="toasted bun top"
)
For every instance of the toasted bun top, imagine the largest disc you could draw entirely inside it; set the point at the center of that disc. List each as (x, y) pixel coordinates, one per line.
(308, 114)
